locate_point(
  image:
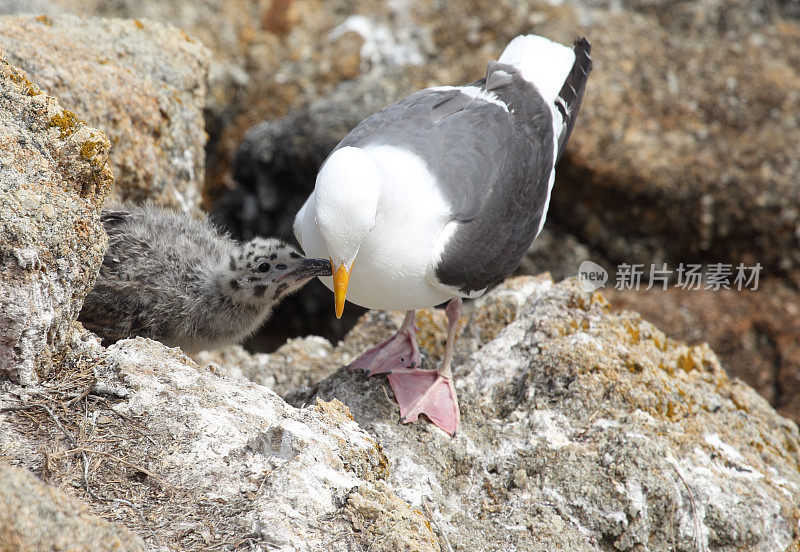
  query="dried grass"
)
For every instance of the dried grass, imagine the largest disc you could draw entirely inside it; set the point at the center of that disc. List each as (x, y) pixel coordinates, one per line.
(113, 463)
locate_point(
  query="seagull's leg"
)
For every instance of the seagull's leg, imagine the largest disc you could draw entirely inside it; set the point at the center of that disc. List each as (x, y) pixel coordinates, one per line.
(431, 392)
(398, 352)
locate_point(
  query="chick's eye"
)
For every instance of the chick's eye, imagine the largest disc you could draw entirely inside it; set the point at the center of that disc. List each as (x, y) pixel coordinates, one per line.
(263, 267)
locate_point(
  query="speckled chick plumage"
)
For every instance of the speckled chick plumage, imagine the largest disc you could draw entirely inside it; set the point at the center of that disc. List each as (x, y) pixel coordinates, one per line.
(177, 279)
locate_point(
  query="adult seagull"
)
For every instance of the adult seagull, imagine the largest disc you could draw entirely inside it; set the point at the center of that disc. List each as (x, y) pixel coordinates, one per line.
(437, 197)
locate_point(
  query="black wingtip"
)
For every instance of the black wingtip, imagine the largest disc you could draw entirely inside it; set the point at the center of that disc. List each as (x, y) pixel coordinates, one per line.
(571, 95)
(582, 43)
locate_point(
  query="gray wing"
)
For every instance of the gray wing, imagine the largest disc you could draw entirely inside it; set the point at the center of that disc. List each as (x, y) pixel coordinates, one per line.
(492, 165)
(486, 249)
(464, 142)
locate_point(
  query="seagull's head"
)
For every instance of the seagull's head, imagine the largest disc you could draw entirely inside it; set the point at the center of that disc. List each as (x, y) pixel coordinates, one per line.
(347, 190)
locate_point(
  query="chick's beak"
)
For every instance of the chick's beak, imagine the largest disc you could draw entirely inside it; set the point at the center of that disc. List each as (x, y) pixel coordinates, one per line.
(308, 268)
(340, 280)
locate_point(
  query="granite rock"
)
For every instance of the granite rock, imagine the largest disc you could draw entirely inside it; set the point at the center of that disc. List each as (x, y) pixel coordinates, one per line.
(189, 459)
(38, 518)
(53, 180)
(298, 363)
(754, 333)
(584, 429)
(142, 83)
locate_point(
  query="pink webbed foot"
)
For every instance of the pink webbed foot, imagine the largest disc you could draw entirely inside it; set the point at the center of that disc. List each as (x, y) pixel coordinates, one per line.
(426, 392)
(418, 391)
(399, 352)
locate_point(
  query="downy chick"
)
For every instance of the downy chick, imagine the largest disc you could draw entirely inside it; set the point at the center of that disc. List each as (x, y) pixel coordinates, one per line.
(177, 279)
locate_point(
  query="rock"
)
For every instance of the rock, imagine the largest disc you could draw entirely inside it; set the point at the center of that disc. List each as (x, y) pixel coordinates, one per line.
(53, 180)
(754, 333)
(298, 363)
(557, 252)
(198, 460)
(685, 149)
(584, 429)
(143, 83)
(35, 517)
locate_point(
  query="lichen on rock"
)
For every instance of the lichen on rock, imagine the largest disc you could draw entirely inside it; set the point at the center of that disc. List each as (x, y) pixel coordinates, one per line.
(142, 84)
(578, 417)
(51, 240)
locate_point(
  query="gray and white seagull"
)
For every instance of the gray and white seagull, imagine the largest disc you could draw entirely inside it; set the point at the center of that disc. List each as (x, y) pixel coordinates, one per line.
(437, 197)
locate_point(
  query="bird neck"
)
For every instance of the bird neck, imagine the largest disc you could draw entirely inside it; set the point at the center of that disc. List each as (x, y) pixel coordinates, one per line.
(234, 313)
(347, 192)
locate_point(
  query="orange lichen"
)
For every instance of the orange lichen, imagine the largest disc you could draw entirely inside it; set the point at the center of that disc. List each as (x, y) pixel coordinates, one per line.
(66, 121)
(634, 333)
(335, 409)
(186, 37)
(28, 88)
(88, 150)
(687, 363)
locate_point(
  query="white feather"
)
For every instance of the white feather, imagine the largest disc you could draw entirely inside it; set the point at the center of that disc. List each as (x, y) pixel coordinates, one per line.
(474, 92)
(541, 62)
(391, 270)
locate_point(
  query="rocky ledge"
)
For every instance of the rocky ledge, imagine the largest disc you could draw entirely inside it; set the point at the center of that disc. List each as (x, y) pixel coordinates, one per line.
(583, 429)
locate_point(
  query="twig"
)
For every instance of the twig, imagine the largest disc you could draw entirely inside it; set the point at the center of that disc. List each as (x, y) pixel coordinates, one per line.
(386, 394)
(74, 444)
(84, 394)
(697, 525)
(66, 433)
(136, 425)
(145, 471)
(438, 528)
(18, 407)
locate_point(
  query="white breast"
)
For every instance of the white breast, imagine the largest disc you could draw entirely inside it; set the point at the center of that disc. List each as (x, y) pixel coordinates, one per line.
(391, 269)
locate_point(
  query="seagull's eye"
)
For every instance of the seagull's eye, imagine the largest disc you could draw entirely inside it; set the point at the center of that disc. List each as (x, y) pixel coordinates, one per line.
(263, 267)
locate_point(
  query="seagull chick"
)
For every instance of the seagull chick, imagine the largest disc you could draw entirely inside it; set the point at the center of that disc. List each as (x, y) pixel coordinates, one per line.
(437, 197)
(178, 280)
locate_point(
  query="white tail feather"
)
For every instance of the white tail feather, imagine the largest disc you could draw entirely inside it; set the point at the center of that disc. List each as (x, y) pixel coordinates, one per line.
(541, 62)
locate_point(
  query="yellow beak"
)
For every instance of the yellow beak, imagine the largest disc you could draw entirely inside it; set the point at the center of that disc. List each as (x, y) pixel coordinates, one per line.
(340, 280)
